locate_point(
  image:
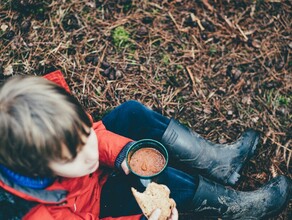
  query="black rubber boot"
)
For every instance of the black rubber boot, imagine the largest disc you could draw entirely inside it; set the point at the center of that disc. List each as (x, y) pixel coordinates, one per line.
(215, 200)
(219, 162)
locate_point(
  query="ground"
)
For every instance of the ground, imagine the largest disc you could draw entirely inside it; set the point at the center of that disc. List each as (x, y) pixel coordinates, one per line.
(217, 66)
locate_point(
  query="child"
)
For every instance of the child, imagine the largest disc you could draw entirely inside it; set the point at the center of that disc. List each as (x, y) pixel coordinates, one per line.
(55, 163)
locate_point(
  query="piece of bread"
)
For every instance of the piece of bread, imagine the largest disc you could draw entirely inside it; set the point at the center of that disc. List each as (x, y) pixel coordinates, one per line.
(155, 196)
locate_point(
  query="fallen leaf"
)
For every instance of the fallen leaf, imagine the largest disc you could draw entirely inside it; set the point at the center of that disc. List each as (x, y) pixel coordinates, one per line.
(8, 70)
(4, 27)
(246, 100)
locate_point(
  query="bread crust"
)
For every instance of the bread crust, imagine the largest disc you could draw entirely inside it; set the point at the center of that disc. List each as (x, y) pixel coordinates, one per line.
(155, 196)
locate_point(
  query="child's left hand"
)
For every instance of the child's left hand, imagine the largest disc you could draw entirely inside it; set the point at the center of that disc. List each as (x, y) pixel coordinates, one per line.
(156, 213)
(125, 167)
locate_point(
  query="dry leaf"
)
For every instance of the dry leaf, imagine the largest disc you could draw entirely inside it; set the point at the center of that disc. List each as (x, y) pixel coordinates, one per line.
(91, 4)
(4, 27)
(207, 110)
(246, 100)
(255, 119)
(8, 70)
(256, 43)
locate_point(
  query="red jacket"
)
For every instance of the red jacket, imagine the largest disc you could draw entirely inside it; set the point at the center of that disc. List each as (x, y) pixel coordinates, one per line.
(74, 198)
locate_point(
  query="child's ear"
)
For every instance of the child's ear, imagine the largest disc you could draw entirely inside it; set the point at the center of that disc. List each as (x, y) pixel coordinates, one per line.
(90, 118)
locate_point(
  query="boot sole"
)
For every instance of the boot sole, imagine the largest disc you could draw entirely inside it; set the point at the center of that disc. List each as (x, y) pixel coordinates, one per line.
(234, 177)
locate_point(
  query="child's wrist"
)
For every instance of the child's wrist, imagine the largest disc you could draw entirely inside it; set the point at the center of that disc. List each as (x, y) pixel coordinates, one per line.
(122, 155)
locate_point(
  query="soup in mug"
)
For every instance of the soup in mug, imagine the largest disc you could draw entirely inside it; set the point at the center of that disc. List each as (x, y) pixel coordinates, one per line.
(147, 161)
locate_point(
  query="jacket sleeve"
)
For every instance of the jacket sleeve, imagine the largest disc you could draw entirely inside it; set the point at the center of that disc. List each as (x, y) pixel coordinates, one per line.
(109, 144)
(41, 212)
(58, 78)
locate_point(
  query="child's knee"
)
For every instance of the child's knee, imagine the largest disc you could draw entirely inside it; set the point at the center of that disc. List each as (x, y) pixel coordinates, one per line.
(133, 106)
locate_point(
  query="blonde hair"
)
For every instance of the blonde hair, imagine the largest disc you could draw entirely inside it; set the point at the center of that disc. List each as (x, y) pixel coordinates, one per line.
(37, 119)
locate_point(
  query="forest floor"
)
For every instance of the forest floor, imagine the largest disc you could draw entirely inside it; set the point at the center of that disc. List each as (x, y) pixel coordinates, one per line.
(217, 66)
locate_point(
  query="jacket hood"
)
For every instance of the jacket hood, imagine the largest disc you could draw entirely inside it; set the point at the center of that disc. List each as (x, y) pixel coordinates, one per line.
(52, 194)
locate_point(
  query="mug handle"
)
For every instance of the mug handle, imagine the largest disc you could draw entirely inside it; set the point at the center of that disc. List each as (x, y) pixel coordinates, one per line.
(145, 182)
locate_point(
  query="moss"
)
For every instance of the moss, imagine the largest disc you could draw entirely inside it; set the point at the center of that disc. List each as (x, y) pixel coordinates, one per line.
(120, 36)
(166, 59)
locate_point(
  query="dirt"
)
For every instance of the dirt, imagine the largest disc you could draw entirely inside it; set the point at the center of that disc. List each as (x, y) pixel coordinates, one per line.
(220, 67)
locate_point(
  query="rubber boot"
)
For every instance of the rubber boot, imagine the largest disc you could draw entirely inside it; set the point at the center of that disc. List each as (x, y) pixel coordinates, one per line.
(215, 200)
(219, 162)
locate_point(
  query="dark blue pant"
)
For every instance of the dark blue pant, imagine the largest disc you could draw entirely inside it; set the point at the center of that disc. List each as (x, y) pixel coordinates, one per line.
(135, 121)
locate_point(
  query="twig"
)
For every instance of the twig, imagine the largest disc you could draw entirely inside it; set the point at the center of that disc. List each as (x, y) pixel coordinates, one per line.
(195, 18)
(197, 42)
(207, 4)
(242, 33)
(192, 79)
(176, 25)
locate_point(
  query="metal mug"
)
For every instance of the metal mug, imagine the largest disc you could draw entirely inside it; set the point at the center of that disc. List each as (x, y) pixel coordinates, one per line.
(146, 143)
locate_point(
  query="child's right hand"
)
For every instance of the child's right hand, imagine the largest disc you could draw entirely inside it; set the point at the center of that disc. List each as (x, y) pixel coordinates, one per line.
(125, 167)
(156, 213)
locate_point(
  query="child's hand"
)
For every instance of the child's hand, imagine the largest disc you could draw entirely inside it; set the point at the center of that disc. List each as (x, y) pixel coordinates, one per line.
(125, 167)
(156, 213)
(174, 214)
